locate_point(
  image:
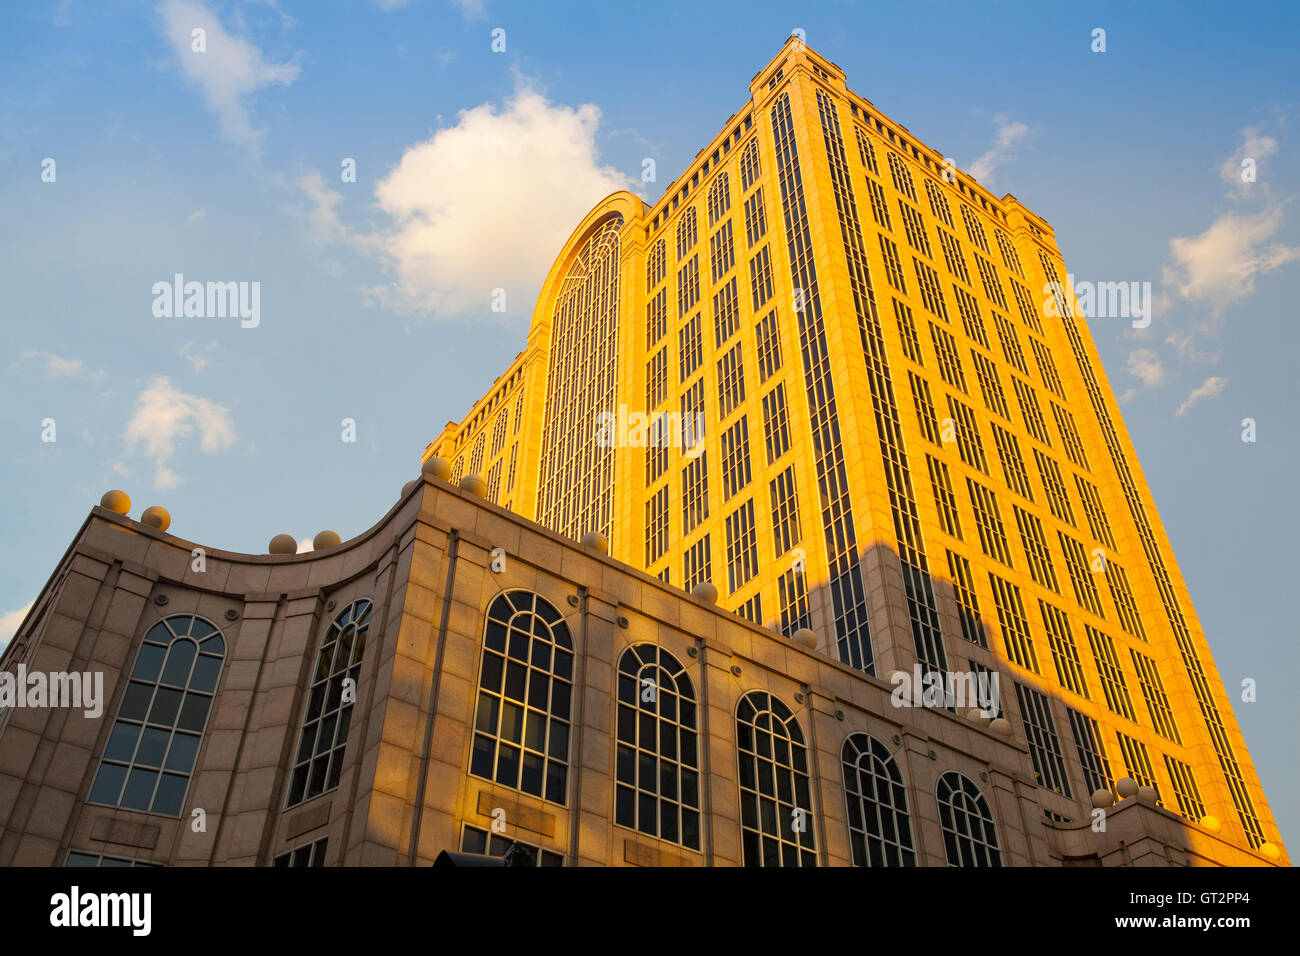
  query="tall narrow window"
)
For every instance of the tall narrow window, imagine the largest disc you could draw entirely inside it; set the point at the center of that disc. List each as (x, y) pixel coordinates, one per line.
(658, 789)
(776, 818)
(319, 758)
(155, 739)
(521, 723)
(879, 829)
(969, 835)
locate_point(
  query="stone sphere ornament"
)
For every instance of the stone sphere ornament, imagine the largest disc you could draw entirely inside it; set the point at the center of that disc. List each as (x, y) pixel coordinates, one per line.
(283, 544)
(706, 592)
(436, 467)
(156, 517)
(116, 501)
(806, 636)
(325, 539)
(596, 541)
(1126, 787)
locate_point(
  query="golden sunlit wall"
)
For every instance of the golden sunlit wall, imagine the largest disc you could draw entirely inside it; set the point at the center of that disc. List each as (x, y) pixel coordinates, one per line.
(838, 386)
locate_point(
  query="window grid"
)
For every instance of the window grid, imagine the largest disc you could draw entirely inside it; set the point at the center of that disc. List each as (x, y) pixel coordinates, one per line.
(901, 175)
(988, 521)
(1010, 343)
(793, 594)
(995, 400)
(690, 348)
(969, 835)
(969, 444)
(880, 832)
(944, 499)
(1092, 754)
(914, 229)
(755, 218)
(989, 277)
(735, 458)
(907, 332)
(945, 350)
(749, 166)
(776, 813)
(931, 290)
(1093, 511)
(719, 198)
(1044, 744)
(154, 744)
(1032, 412)
(1069, 436)
(925, 413)
(1065, 653)
(938, 203)
(760, 278)
(657, 777)
(893, 267)
(521, 721)
(656, 265)
(968, 609)
(1187, 793)
(1153, 691)
(785, 512)
(1085, 588)
(953, 258)
(483, 843)
(731, 382)
(879, 208)
(1125, 607)
(656, 526)
(695, 492)
(742, 547)
(1113, 684)
(969, 310)
(687, 233)
(1025, 304)
(776, 424)
(767, 345)
(1138, 762)
(1047, 368)
(1057, 497)
(697, 564)
(722, 252)
(1037, 556)
(1015, 626)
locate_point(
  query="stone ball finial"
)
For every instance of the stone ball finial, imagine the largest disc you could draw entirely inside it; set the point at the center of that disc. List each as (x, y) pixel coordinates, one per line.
(436, 467)
(1148, 794)
(1211, 823)
(1271, 851)
(1102, 798)
(325, 539)
(406, 488)
(596, 542)
(1000, 726)
(977, 714)
(474, 485)
(1126, 787)
(156, 517)
(705, 591)
(283, 544)
(116, 501)
(807, 637)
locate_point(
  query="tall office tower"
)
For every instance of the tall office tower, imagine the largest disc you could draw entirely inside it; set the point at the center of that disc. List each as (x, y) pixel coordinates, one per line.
(839, 380)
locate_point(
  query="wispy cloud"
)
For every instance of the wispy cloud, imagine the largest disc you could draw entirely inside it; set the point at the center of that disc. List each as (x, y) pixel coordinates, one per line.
(1254, 146)
(56, 366)
(1208, 389)
(228, 70)
(165, 416)
(1145, 366)
(1009, 135)
(1220, 266)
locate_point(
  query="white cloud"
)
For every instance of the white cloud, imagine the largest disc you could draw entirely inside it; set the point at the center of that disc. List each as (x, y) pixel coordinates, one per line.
(389, 5)
(1144, 365)
(228, 72)
(196, 215)
(1220, 265)
(9, 622)
(198, 358)
(1208, 389)
(164, 416)
(1253, 146)
(1128, 395)
(481, 205)
(469, 9)
(305, 545)
(1009, 135)
(56, 366)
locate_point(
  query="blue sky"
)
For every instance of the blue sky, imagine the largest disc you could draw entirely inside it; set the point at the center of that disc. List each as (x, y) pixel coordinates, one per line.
(473, 165)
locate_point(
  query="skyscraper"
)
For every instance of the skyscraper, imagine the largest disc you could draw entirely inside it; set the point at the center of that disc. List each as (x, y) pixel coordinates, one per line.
(837, 379)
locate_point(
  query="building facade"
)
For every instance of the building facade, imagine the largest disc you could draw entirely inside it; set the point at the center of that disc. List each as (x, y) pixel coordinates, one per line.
(836, 378)
(813, 426)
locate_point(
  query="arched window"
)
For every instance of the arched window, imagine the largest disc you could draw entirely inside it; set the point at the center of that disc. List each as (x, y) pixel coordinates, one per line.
(155, 739)
(319, 758)
(969, 836)
(457, 470)
(521, 720)
(879, 829)
(476, 457)
(658, 784)
(776, 821)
